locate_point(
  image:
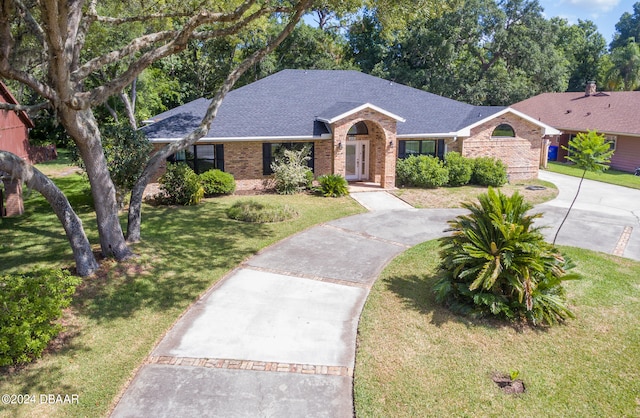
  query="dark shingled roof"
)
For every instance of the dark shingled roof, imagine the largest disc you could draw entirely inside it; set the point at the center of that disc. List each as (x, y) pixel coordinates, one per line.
(289, 104)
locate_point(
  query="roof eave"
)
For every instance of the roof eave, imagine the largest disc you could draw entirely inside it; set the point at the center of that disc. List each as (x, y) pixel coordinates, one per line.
(248, 138)
(359, 108)
(548, 130)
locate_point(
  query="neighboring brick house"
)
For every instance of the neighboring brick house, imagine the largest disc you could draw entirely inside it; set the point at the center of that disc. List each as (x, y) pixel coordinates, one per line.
(357, 125)
(615, 114)
(14, 137)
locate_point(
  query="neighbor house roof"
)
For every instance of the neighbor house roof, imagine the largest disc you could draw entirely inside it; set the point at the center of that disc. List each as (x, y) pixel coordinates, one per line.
(299, 104)
(607, 112)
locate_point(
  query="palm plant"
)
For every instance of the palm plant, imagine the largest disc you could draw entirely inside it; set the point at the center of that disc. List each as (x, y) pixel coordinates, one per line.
(590, 152)
(497, 263)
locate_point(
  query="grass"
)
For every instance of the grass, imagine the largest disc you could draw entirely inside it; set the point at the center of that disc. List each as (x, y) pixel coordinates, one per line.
(415, 358)
(119, 314)
(253, 211)
(621, 178)
(451, 197)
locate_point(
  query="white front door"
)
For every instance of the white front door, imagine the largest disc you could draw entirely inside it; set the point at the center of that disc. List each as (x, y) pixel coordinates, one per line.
(357, 160)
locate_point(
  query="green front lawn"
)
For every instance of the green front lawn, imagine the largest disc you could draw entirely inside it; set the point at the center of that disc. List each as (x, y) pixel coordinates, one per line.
(621, 178)
(118, 315)
(415, 358)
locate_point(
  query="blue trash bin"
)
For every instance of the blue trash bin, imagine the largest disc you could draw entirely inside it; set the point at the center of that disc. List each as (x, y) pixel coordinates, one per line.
(553, 153)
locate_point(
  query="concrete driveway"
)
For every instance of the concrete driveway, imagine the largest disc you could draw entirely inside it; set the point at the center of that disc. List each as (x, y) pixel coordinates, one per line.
(604, 218)
(276, 337)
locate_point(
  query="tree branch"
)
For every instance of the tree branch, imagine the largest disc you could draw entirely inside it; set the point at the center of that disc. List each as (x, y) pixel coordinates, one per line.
(38, 32)
(31, 110)
(178, 43)
(19, 169)
(135, 206)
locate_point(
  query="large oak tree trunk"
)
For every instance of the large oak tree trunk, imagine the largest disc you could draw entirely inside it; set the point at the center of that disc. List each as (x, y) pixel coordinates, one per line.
(85, 261)
(83, 128)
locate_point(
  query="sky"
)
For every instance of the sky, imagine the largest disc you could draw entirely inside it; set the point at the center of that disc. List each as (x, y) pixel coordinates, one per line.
(604, 13)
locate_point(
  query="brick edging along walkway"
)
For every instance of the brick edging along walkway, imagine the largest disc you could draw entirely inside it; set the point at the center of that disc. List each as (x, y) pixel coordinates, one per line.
(262, 366)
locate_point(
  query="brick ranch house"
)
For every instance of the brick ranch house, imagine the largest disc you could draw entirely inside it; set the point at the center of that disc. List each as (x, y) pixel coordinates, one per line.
(357, 126)
(615, 114)
(14, 137)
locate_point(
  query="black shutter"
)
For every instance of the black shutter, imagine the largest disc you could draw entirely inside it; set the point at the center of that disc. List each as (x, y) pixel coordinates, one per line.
(219, 156)
(266, 158)
(440, 149)
(401, 149)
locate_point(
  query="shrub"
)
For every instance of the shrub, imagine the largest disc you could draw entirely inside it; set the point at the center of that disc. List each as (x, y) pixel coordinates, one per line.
(489, 171)
(421, 171)
(496, 263)
(290, 171)
(460, 169)
(333, 185)
(181, 185)
(254, 211)
(217, 182)
(29, 305)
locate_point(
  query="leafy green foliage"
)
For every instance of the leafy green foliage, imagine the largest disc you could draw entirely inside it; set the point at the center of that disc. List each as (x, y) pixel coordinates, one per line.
(181, 185)
(258, 212)
(217, 182)
(291, 172)
(421, 171)
(460, 169)
(589, 151)
(496, 263)
(333, 185)
(127, 151)
(29, 305)
(489, 171)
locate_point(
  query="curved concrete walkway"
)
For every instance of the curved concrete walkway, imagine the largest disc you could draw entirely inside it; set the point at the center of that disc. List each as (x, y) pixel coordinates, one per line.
(277, 336)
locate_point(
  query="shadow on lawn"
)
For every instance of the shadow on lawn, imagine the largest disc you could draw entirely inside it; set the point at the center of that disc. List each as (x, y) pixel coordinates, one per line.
(416, 293)
(184, 251)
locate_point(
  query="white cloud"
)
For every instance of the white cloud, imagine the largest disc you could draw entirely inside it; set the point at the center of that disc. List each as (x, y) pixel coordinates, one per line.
(595, 5)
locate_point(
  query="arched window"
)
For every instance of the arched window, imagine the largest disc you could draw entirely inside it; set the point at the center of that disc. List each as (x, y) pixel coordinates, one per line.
(359, 128)
(504, 130)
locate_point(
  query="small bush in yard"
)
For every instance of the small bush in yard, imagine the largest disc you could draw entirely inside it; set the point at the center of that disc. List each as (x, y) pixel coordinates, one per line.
(460, 169)
(181, 185)
(497, 263)
(333, 185)
(290, 171)
(489, 171)
(421, 171)
(29, 305)
(257, 212)
(217, 182)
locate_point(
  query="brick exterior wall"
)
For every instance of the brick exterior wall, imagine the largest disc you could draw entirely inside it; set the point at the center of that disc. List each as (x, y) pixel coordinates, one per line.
(382, 155)
(521, 154)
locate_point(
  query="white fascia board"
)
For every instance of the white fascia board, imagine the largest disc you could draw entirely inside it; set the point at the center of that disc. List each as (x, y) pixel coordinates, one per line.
(359, 108)
(548, 130)
(437, 135)
(247, 138)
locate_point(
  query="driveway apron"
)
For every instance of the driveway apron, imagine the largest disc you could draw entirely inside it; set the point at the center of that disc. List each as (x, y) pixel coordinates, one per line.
(276, 337)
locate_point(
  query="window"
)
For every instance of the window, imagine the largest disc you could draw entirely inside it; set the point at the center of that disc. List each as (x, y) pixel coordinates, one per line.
(201, 158)
(611, 140)
(504, 130)
(359, 128)
(433, 147)
(270, 150)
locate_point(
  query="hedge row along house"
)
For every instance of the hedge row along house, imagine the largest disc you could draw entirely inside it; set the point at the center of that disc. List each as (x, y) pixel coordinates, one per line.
(615, 114)
(356, 125)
